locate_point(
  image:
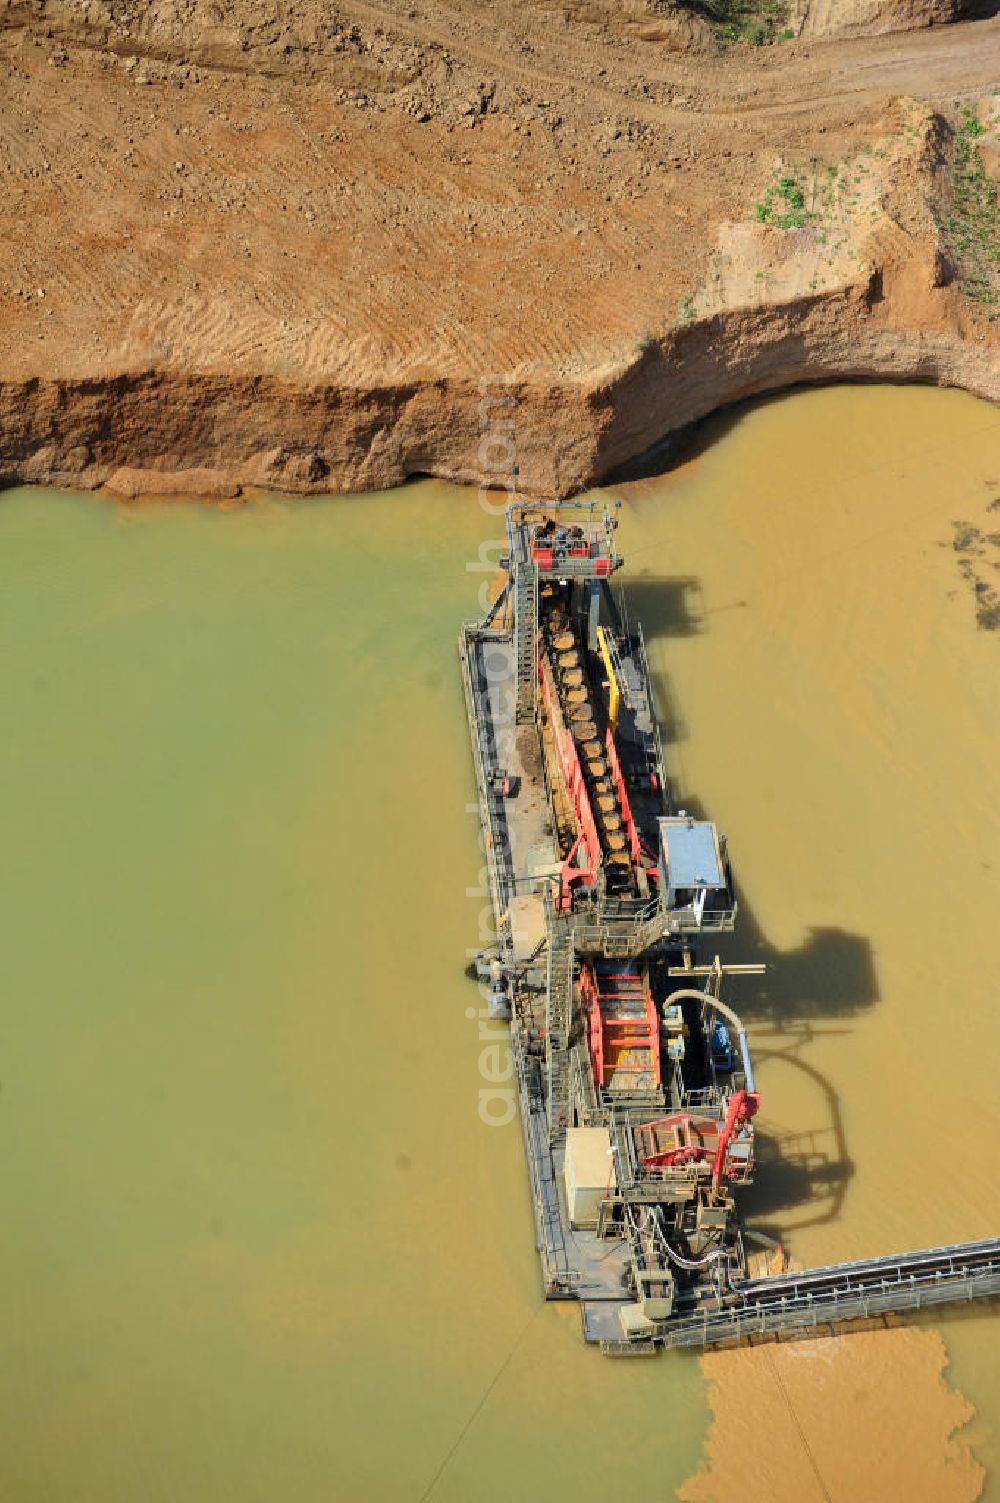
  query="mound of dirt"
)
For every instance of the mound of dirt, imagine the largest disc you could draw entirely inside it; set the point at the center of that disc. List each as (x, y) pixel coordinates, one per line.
(845, 18)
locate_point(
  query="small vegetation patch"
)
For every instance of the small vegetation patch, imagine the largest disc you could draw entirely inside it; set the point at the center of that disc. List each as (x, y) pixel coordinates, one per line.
(978, 559)
(972, 226)
(783, 205)
(758, 22)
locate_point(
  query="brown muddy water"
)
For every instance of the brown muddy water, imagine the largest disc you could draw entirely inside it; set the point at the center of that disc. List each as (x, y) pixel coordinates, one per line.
(810, 580)
(259, 1241)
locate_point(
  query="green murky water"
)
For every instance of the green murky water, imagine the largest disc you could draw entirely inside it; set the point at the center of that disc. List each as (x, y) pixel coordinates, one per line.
(259, 1242)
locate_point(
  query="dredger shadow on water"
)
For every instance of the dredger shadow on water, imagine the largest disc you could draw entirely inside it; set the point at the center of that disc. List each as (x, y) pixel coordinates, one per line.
(635, 1079)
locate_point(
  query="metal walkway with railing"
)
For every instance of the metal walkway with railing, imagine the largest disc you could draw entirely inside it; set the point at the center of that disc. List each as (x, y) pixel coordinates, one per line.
(815, 1297)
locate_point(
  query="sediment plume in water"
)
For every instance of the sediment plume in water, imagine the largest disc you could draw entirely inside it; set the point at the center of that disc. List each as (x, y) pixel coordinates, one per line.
(836, 1423)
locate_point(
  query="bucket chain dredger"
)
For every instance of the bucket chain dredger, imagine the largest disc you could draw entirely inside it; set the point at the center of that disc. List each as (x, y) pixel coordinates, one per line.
(635, 1079)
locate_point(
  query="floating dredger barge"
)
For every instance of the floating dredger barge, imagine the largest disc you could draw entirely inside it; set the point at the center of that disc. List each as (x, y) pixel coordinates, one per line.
(635, 1078)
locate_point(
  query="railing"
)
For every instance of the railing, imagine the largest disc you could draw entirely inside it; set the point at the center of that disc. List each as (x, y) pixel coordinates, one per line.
(633, 937)
(702, 1097)
(845, 1291)
(709, 921)
(559, 1278)
(498, 854)
(623, 937)
(656, 755)
(614, 910)
(580, 544)
(582, 1090)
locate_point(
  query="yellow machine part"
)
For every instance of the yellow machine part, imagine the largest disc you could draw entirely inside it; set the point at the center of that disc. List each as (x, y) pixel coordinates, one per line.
(614, 688)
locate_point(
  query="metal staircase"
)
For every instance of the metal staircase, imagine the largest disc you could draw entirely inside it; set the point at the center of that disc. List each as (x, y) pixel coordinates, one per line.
(624, 938)
(618, 668)
(558, 1015)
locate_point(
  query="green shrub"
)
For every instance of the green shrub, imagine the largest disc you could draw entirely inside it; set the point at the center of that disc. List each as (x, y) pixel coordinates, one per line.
(971, 231)
(783, 205)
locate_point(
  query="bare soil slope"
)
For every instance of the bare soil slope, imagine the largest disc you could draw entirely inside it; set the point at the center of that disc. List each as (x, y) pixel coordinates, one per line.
(291, 245)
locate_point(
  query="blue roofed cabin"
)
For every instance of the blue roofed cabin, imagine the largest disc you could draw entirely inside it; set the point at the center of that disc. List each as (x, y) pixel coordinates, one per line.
(696, 884)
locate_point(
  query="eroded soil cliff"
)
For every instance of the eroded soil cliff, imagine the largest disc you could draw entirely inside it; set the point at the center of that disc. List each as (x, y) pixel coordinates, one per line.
(313, 248)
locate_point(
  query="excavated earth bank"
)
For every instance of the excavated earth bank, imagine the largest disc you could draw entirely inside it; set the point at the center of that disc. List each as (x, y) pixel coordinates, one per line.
(318, 249)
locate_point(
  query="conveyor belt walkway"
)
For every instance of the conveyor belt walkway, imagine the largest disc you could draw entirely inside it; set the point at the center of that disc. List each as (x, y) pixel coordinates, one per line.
(844, 1291)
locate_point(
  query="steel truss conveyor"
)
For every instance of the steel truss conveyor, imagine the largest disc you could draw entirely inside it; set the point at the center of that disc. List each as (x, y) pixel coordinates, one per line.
(816, 1297)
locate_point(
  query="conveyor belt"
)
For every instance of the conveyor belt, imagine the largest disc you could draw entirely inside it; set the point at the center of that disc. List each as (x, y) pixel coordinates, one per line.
(556, 624)
(844, 1291)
